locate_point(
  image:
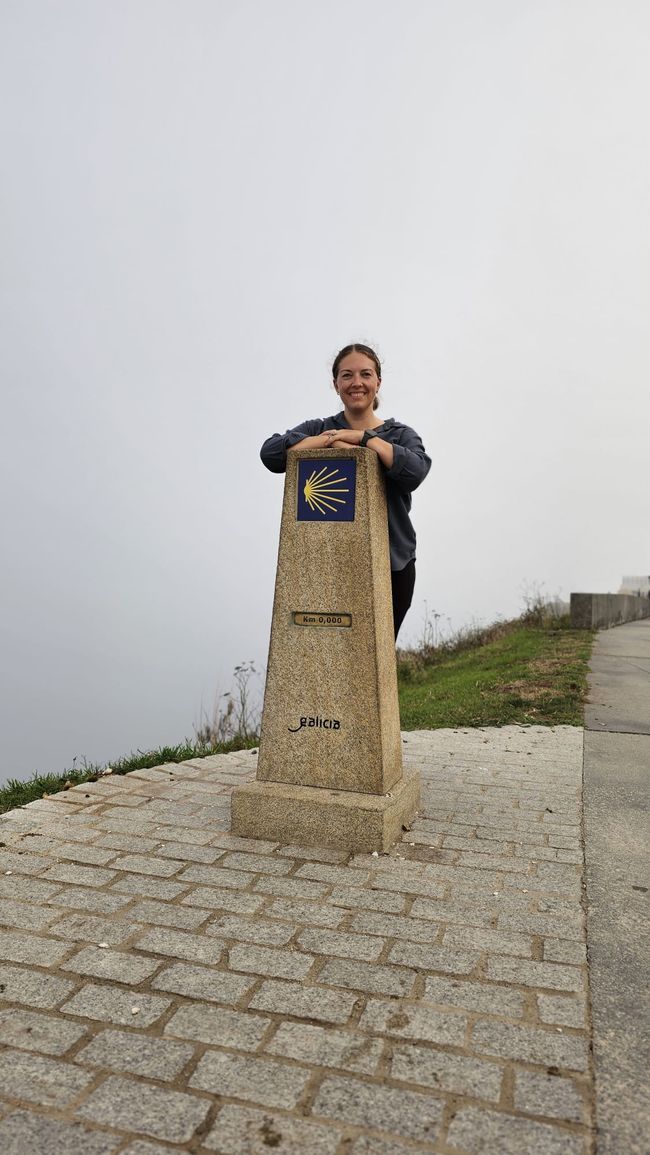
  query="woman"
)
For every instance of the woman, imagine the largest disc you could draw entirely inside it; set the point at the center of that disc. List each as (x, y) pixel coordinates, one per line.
(356, 374)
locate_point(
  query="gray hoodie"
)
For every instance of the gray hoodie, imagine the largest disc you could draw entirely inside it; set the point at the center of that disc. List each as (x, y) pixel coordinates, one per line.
(410, 467)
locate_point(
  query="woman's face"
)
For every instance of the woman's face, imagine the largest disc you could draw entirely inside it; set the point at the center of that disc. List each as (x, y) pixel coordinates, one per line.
(357, 383)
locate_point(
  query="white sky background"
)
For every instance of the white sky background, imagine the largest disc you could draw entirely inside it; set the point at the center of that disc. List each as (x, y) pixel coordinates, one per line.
(201, 201)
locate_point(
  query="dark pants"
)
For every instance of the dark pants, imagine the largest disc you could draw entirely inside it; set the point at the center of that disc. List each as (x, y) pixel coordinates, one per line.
(403, 584)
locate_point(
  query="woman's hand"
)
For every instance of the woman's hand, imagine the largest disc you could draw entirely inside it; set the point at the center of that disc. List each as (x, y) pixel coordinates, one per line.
(329, 439)
(343, 437)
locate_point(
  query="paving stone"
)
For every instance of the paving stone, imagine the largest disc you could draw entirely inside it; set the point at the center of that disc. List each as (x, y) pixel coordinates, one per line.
(360, 898)
(496, 941)
(314, 913)
(27, 889)
(258, 863)
(334, 875)
(83, 898)
(19, 947)
(24, 1133)
(219, 1027)
(464, 913)
(425, 886)
(313, 853)
(378, 980)
(144, 1147)
(371, 1145)
(115, 821)
(544, 924)
(148, 887)
(20, 862)
(189, 852)
(291, 887)
(569, 887)
(179, 944)
(217, 876)
(494, 862)
(304, 1002)
(341, 944)
(261, 960)
(33, 988)
(563, 1010)
(263, 1081)
(530, 1045)
(550, 854)
(434, 958)
(562, 951)
(231, 900)
(203, 983)
(20, 916)
(120, 966)
(551, 1095)
(127, 842)
(166, 914)
(246, 1131)
(147, 864)
(137, 1054)
(368, 1105)
(536, 974)
(233, 842)
(323, 1047)
(136, 1106)
(87, 928)
(112, 1005)
(32, 1031)
(396, 926)
(73, 851)
(253, 930)
(474, 845)
(412, 1021)
(69, 827)
(565, 841)
(446, 1072)
(48, 1082)
(79, 875)
(483, 998)
(480, 1131)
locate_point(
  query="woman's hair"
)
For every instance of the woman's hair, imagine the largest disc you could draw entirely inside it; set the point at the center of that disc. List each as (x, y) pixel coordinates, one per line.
(367, 352)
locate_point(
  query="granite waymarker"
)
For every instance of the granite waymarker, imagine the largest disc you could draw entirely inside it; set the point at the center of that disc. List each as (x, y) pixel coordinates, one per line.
(330, 760)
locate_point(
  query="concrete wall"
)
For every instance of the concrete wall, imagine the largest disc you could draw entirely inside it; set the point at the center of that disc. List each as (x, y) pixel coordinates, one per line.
(598, 611)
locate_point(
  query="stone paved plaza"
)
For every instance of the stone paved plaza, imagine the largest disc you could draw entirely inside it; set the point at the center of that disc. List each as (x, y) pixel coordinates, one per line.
(166, 987)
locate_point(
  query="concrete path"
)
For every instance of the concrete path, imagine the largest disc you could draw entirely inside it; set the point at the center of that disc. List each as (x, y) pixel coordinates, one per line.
(168, 987)
(617, 848)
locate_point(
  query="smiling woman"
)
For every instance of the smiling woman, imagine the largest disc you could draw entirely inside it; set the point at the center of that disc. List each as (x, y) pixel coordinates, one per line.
(356, 376)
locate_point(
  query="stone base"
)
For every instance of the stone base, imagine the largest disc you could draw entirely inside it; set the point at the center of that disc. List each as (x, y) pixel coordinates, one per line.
(314, 816)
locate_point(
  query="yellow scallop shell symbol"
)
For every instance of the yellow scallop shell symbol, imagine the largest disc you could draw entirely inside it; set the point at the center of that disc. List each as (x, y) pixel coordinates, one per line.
(322, 490)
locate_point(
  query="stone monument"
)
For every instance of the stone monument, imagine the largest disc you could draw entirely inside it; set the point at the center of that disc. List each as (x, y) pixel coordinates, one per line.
(330, 757)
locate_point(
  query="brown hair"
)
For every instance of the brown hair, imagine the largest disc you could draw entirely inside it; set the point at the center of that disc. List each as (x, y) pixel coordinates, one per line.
(367, 352)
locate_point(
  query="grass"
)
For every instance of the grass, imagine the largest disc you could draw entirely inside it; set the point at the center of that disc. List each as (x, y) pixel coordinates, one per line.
(16, 793)
(525, 672)
(529, 671)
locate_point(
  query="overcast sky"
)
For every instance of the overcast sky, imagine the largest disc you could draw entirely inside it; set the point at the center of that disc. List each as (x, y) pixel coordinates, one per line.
(201, 202)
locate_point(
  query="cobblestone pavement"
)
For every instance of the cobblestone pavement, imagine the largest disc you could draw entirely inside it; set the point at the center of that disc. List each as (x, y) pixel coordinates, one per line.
(165, 986)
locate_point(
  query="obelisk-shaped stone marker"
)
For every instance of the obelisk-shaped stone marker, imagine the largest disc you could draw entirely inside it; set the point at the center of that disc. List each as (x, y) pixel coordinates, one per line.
(330, 759)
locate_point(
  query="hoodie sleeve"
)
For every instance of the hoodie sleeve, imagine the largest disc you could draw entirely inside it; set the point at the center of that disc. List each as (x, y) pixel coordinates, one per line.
(411, 462)
(274, 449)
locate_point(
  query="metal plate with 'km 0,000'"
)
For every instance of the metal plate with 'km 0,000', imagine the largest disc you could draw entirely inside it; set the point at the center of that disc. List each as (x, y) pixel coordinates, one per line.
(321, 619)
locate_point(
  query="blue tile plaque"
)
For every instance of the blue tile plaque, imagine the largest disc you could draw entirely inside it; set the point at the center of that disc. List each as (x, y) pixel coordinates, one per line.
(326, 489)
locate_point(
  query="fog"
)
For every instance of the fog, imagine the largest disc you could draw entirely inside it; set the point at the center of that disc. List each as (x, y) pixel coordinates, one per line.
(201, 203)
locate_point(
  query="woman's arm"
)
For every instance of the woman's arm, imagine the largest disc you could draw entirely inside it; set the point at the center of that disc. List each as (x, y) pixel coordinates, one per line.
(411, 462)
(275, 448)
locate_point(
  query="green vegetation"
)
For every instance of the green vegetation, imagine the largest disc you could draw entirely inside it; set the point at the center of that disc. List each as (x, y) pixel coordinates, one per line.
(531, 671)
(40, 785)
